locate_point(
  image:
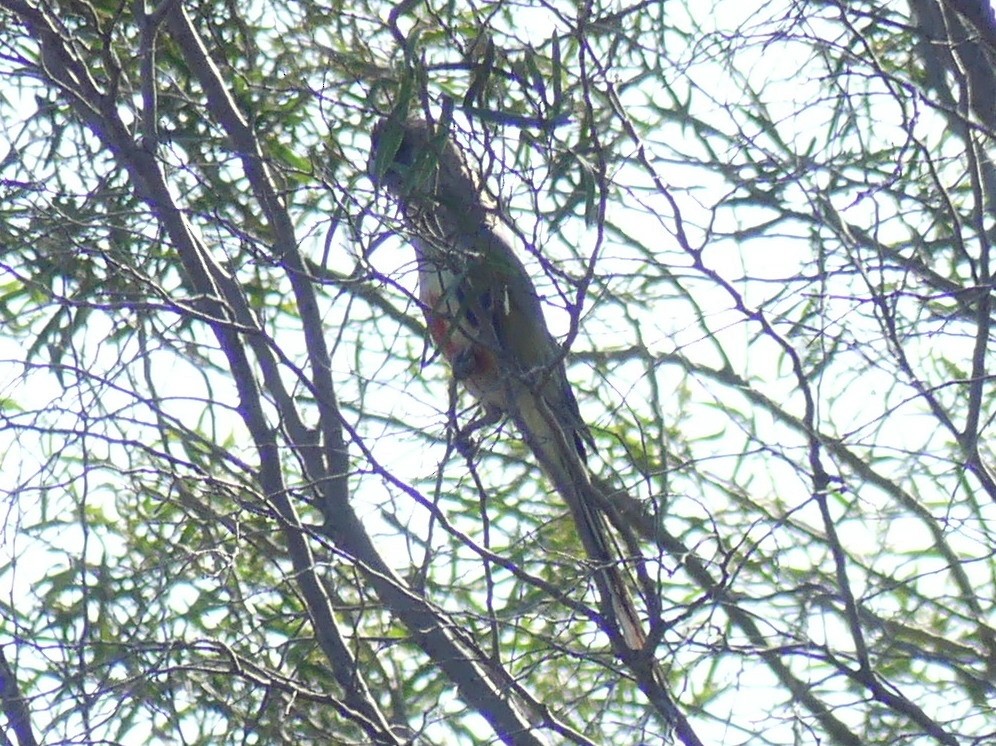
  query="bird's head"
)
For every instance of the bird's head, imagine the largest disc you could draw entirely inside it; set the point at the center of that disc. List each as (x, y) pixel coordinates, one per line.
(420, 166)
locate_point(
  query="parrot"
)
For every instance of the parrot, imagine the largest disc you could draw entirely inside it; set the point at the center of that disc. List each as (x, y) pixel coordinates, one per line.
(484, 315)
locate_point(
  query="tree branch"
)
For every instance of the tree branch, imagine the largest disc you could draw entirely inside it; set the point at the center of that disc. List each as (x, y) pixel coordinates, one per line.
(15, 704)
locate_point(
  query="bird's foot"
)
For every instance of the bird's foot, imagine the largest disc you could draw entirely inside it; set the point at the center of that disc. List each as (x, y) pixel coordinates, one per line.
(467, 445)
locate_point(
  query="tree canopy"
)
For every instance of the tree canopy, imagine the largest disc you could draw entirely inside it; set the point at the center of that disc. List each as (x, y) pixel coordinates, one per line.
(239, 506)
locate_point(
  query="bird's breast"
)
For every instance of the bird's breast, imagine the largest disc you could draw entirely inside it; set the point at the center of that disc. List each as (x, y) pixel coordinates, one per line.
(454, 324)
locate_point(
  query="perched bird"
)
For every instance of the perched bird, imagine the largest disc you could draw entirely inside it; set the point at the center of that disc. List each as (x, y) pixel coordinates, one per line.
(484, 315)
(480, 304)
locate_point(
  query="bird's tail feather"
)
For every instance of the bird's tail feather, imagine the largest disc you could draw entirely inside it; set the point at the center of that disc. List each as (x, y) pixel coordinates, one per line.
(562, 462)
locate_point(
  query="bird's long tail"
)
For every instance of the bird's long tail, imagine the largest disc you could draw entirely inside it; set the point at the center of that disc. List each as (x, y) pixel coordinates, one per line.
(610, 576)
(559, 457)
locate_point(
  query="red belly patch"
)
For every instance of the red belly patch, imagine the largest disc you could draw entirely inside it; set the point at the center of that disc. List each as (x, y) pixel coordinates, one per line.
(469, 359)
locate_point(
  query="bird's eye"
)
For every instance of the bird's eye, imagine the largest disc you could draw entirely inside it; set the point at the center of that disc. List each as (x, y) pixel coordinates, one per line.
(404, 155)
